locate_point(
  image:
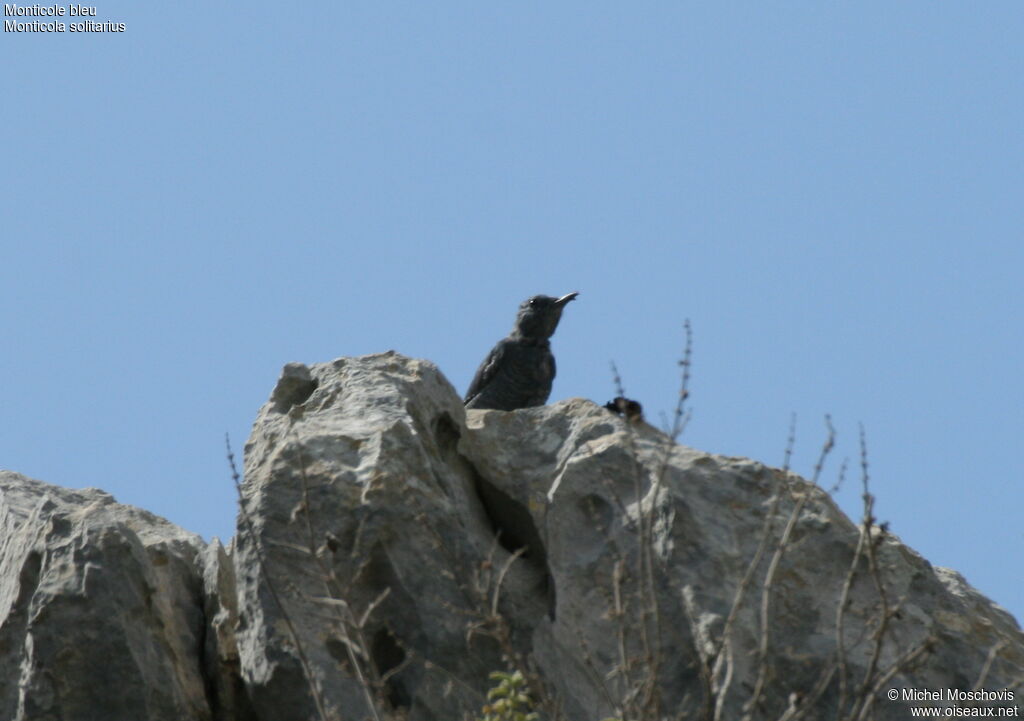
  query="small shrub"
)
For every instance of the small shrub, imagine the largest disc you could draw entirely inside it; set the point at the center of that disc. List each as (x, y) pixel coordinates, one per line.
(509, 700)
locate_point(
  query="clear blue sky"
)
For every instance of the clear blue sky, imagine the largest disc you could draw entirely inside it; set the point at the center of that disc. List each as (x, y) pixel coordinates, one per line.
(831, 192)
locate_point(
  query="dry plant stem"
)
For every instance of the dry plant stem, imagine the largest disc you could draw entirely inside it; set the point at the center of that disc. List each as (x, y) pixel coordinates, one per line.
(679, 418)
(874, 679)
(490, 622)
(839, 666)
(649, 612)
(348, 625)
(707, 704)
(373, 607)
(477, 594)
(619, 614)
(501, 579)
(870, 693)
(645, 584)
(844, 601)
(679, 421)
(723, 691)
(989, 660)
(790, 444)
(307, 669)
(870, 548)
(769, 581)
(886, 612)
(723, 655)
(993, 653)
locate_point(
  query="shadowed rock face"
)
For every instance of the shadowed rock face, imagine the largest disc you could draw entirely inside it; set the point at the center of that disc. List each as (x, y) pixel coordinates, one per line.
(415, 507)
(101, 612)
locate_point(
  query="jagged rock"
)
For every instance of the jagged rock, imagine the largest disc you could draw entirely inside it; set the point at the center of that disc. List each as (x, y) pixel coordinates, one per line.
(365, 474)
(384, 519)
(394, 549)
(229, 700)
(100, 610)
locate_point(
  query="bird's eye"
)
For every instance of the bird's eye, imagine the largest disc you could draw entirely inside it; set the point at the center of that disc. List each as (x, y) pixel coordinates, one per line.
(533, 302)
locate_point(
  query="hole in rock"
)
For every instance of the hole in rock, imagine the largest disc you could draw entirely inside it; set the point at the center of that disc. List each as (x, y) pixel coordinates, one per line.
(294, 387)
(387, 655)
(446, 432)
(513, 525)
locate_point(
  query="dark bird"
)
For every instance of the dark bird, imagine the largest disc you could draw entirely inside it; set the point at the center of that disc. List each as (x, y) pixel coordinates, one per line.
(518, 372)
(628, 408)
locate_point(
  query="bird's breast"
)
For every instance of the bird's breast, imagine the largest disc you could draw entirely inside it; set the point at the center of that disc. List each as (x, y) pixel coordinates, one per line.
(523, 378)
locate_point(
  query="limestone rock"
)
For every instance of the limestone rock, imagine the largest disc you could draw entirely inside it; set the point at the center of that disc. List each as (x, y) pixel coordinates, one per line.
(100, 609)
(229, 699)
(394, 549)
(415, 548)
(355, 490)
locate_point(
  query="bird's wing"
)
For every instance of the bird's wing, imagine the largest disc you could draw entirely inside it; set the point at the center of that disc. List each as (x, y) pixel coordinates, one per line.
(485, 373)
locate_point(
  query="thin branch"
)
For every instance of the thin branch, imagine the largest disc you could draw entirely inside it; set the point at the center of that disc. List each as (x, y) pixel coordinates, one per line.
(989, 660)
(844, 602)
(723, 656)
(501, 578)
(870, 548)
(904, 661)
(769, 581)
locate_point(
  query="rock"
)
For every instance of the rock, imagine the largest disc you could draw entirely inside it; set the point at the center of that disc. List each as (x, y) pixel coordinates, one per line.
(402, 549)
(229, 700)
(359, 490)
(393, 550)
(100, 613)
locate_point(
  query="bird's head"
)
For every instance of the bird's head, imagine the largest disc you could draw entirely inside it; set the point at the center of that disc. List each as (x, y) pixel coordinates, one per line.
(538, 316)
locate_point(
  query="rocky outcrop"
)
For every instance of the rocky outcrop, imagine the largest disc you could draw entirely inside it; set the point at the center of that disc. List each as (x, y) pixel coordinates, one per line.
(415, 548)
(395, 549)
(100, 609)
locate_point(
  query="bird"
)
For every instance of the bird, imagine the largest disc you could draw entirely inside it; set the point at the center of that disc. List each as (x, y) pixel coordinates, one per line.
(628, 408)
(518, 371)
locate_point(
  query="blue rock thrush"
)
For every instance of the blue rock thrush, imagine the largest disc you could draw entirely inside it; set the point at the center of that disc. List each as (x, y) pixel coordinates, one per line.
(518, 372)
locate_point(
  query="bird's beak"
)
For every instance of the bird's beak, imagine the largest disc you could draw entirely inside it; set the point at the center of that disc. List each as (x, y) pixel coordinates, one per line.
(566, 298)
